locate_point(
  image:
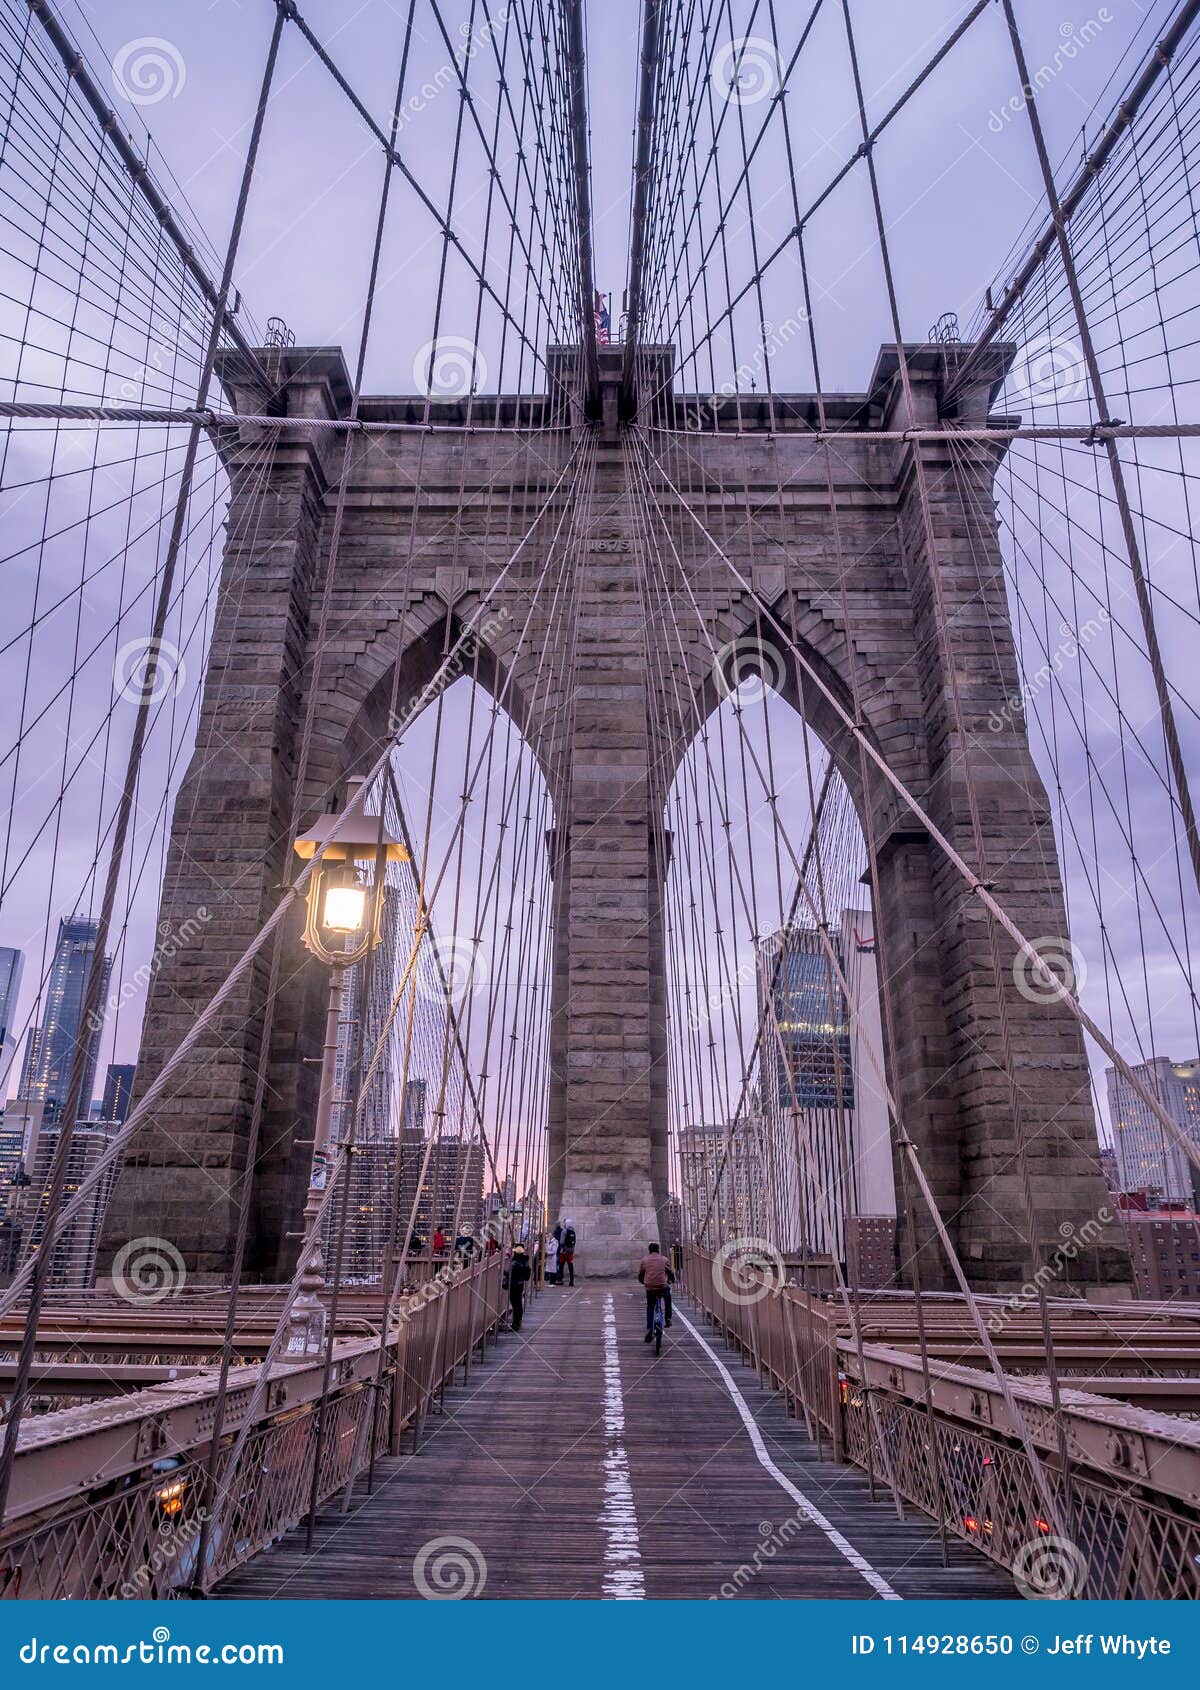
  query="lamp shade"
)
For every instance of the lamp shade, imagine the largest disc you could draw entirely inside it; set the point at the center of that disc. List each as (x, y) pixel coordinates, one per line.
(355, 839)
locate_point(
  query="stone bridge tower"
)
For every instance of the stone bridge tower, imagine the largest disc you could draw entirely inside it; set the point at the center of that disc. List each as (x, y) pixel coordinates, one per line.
(608, 1105)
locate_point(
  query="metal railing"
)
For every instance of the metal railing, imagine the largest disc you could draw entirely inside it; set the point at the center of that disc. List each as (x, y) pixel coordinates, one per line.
(109, 1499)
(1129, 1500)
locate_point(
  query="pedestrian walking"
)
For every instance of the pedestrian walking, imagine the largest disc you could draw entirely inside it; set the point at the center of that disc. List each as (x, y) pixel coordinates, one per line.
(552, 1259)
(518, 1279)
(566, 1253)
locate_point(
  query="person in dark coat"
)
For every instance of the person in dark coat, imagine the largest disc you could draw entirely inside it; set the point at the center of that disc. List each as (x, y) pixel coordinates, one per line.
(518, 1278)
(566, 1254)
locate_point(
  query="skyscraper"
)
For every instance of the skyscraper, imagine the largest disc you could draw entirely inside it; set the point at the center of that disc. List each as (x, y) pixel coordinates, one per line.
(46, 1074)
(453, 1174)
(372, 1198)
(1147, 1159)
(723, 1180)
(10, 984)
(118, 1091)
(807, 1083)
(454, 1184)
(73, 1262)
(826, 1139)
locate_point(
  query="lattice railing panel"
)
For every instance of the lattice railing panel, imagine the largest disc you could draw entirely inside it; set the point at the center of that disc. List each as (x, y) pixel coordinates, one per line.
(1106, 1541)
(142, 1539)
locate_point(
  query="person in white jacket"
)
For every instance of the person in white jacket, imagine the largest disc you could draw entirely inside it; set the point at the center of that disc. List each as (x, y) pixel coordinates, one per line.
(551, 1260)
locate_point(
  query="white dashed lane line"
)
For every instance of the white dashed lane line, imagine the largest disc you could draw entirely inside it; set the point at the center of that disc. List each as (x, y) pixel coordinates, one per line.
(623, 1578)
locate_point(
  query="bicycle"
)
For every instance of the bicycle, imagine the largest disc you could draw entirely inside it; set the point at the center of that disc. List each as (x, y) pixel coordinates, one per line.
(657, 1322)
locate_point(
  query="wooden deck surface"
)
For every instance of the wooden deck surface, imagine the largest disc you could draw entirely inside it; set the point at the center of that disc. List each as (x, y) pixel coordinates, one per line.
(575, 1464)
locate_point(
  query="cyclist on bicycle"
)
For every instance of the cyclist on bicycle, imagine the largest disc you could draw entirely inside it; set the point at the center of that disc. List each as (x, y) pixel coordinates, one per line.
(654, 1272)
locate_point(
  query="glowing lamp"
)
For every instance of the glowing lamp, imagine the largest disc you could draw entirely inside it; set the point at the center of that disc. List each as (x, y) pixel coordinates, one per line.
(337, 899)
(344, 908)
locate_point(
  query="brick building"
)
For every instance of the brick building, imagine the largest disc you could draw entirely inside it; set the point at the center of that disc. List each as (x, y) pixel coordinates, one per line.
(1164, 1246)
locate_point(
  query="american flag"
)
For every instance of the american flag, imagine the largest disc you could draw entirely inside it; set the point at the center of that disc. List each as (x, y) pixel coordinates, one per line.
(603, 321)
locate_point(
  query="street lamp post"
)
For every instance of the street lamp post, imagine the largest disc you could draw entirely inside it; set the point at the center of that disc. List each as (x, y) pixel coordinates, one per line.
(336, 914)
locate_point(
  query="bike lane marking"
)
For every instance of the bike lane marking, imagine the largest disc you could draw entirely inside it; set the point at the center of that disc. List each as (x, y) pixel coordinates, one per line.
(843, 1546)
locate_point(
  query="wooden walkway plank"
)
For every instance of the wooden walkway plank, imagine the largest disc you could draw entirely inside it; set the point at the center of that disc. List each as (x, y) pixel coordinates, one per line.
(545, 1477)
